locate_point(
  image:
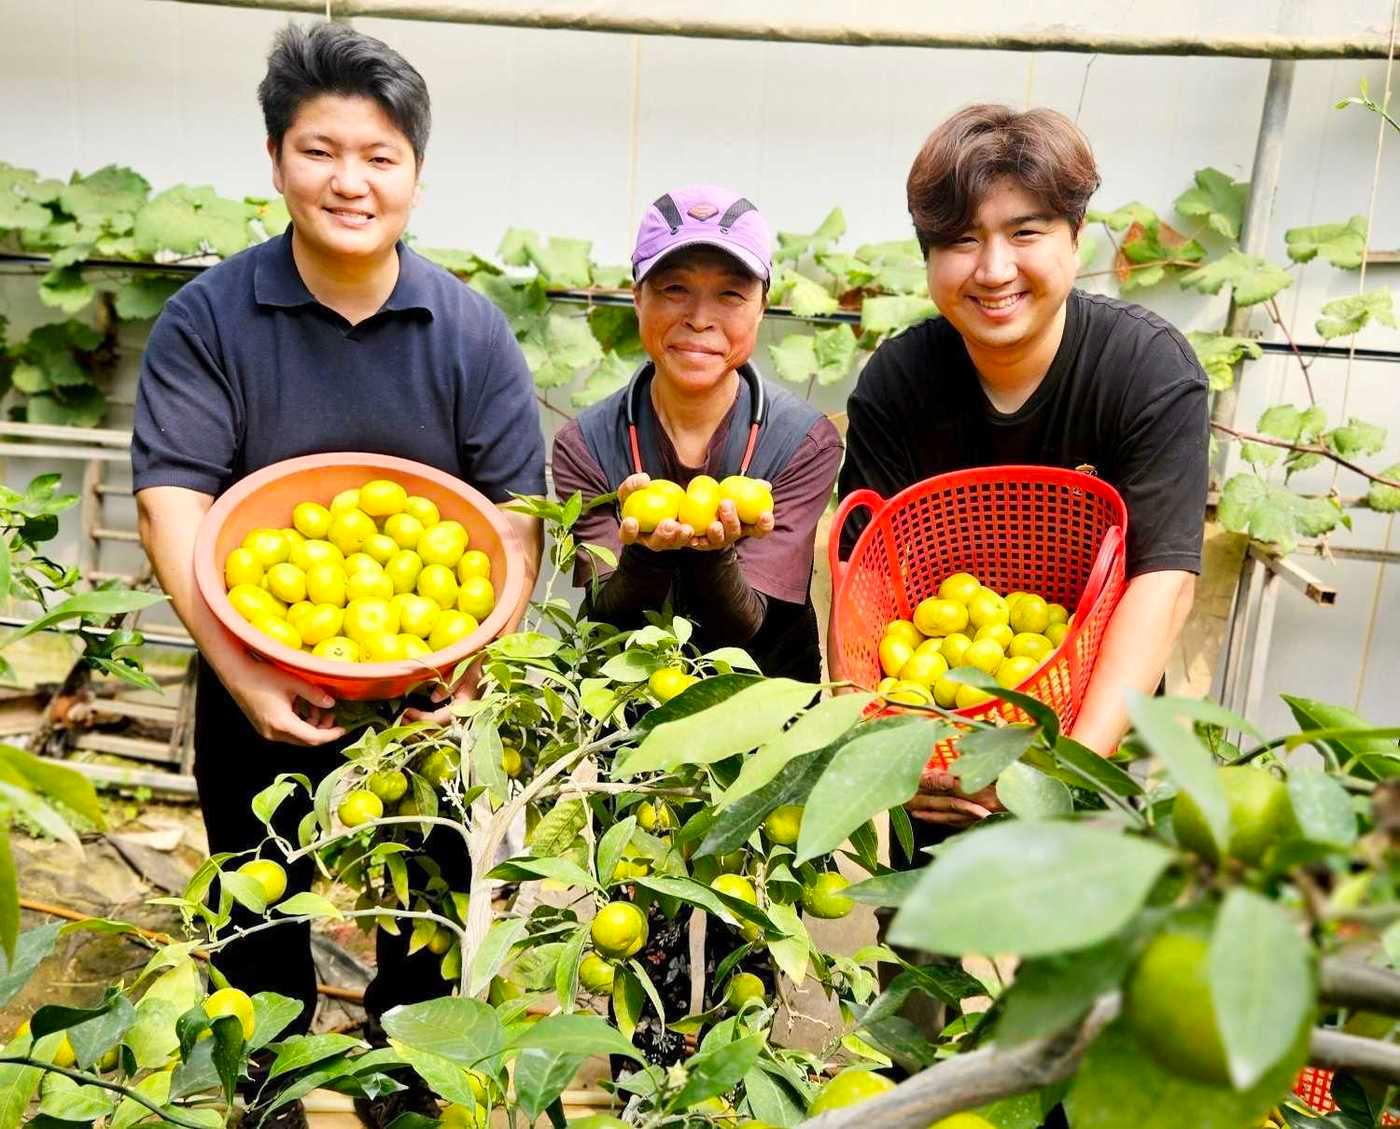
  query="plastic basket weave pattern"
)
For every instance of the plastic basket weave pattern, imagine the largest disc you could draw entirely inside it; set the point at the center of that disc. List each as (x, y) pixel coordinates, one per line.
(1314, 1087)
(1060, 533)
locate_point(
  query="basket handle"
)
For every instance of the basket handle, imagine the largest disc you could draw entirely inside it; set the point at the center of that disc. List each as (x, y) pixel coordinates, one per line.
(852, 501)
(1109, 552)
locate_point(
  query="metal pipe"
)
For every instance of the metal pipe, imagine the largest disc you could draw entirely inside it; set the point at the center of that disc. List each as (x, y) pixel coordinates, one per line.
(1254, 229)
(670, 17)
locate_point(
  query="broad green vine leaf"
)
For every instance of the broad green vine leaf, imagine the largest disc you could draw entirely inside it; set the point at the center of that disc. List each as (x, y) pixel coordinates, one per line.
(112, 193)
(850, 272)
(1273, 514)
(74, 407)
(194, 220)
(1122, 218)
(271, 215)
(612, 277)
(1356, 437)
(894, 313)
(792, 246)
(1219, 353)
(514, 249)
(1342, 317)
(66, 289)
(557, 350)
(22, 199)
(145, 296)
(561, 262)
(1382, 498)
(1217, 197)
(1341, 244)
(464, 264)
(824, 356)
(804, 296)
(1029, 887)
(611, 374)
(1252, 279)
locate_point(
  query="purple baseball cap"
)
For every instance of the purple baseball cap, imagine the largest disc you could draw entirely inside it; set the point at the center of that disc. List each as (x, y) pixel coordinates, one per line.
(703, 215)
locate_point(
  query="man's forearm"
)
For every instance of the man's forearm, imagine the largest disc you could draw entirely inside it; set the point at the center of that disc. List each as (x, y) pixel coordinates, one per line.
(531, 534)
(1133, 655)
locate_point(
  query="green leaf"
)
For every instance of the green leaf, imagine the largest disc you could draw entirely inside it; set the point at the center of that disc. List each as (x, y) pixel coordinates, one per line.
(1283, 421)
(1161, 726)
(1252, 279)
(1356, 437)
(66, 289)
(816, 728)
(143, 297)
(1052, 992)
(84, 407)
(1342, 317)
(493, 950)
(885, 889)
(1379, 757)
(717, 1070)
(9, 897)
(1219, 353)
(790, 952)
(611, 374)
(1029, 794)
(461, 1030)
(1029, 888)
(805, 297)
(792, 246)
(1217, 197)
(101, 604)
(464, 264)
(541, 1076)
(1099, 772)
(575, 1034)
(773, 1098)
(566, 970)
(1261, 983)
(874, 771)
(1271, 513)
(1322, 808)
(894, 313)
(73, 1102)
(271, 1015)
(1118, 1084)
(303, 1050)
(1124, 217)
(794, 358)
(194, 220)
(732, 911)
(628, 997)
(561, 262)
(48, 820)
(514, 249)
(754, 715)
(57, 781)
(111, 193)
(94, 1037)
(555, 832)
(984, 753)
(1341, 244)
(272, 215)
(1382, 498)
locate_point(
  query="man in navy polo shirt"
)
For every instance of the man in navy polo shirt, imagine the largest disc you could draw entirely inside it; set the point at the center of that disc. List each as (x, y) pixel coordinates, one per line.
(333, 336)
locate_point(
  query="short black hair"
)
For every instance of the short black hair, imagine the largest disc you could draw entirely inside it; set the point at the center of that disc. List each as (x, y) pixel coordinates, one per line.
(331, 58)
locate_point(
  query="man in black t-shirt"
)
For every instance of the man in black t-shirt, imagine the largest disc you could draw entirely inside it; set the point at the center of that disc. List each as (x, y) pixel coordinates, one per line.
(1022, 368)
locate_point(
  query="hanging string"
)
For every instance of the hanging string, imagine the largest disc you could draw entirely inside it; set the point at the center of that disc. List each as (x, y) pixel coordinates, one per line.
(1370, 211)
(1346, 384)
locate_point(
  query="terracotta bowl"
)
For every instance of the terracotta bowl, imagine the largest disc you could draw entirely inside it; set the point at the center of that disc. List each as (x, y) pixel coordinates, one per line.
(266, 498)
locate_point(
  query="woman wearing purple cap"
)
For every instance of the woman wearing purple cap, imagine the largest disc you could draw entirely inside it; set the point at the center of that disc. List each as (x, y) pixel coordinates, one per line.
(701, 267)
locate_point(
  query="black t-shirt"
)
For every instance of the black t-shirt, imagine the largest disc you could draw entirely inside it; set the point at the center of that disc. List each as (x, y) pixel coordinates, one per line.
(1124, 395)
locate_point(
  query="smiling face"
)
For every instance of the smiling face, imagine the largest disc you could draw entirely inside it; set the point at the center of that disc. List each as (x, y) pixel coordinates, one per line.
(698, 315)
(1003, 282)
(348, 175)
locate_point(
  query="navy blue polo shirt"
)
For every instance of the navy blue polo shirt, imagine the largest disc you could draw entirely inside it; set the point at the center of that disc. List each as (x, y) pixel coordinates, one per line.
(245, 368)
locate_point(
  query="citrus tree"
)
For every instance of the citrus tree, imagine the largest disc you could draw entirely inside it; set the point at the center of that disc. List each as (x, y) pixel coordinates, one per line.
(1184, 915)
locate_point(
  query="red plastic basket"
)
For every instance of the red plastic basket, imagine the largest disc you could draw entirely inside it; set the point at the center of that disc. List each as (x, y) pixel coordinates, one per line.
(1041, 529)
(1314, 1087)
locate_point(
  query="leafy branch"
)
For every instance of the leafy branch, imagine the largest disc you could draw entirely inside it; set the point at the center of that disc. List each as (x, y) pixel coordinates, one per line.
(1316, 449)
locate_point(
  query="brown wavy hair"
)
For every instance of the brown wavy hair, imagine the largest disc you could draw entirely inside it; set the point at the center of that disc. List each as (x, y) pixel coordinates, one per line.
(980, 145)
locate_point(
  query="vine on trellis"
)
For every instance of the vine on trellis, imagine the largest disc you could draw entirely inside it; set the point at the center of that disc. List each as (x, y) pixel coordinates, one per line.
(57, 371)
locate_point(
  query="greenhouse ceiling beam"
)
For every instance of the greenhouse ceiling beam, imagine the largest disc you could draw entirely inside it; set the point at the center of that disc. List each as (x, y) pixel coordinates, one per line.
(653, 17)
